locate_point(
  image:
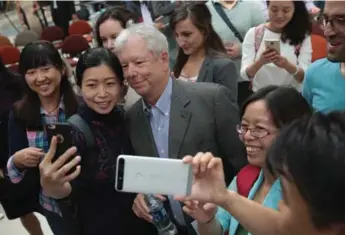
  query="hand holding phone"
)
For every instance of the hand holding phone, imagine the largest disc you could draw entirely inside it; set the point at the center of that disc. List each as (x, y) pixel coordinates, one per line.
(150, 175)
(268, 56)
(273, 44)
(63, 133)
(55, 176)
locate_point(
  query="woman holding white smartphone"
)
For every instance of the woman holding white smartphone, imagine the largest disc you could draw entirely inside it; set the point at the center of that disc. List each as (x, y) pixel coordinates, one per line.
(278, 52)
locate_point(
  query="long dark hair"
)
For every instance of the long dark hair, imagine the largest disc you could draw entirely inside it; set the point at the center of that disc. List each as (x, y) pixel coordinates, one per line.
(299, 26)
(117, 13)
(200, 16)
(34, 55)
(284, 103)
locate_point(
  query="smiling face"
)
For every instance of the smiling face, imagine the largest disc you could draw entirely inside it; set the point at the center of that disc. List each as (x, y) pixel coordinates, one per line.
(101, 89)
(257, 118)
(280, 13)
(144, 71)
(44, 80)
(109, 30)
(188, 37)
(335, 11)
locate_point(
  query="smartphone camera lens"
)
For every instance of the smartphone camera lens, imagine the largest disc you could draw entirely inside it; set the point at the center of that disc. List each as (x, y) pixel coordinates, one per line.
(120, 179)
(60, 138)
(51, 126)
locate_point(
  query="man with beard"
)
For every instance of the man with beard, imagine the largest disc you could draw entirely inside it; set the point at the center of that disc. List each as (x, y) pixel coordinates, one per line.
(324, 84)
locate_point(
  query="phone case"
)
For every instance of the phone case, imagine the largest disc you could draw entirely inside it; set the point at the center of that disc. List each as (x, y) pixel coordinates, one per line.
(63, 132)
(273, 44)
(152, 175)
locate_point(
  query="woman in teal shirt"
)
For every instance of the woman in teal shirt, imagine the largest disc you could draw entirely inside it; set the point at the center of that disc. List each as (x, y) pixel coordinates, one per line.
(263, 114)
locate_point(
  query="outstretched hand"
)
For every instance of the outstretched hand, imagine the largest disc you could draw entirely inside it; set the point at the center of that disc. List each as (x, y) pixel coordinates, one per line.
(208, 184)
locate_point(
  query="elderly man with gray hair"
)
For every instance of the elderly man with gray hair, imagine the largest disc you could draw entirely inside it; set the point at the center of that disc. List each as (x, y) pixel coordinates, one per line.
(173, 118)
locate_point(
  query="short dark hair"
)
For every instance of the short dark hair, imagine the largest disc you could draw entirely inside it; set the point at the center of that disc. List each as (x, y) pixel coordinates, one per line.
(299, 27)
(284, 103)
(34, 55)
(201, 17)
(310, 152)
(117, 13)
(94, 57)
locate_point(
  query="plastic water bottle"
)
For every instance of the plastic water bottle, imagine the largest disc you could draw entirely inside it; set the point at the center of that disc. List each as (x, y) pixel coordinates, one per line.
(161, 220)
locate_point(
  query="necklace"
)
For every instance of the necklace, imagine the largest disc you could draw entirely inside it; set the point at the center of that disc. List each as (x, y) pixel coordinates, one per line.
(52, 112)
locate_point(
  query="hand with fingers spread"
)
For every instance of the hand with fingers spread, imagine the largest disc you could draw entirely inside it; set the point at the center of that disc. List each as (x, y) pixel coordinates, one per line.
(28, 157)
(141, 209)
(209, 181)
(56, 176)
(202, 213)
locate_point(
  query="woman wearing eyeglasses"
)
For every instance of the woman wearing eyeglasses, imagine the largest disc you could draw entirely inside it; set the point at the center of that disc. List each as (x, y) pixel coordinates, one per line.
(263, 114)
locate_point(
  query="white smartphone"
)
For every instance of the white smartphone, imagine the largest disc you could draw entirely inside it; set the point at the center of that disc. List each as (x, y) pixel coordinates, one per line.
(273, 44)
(137, 174)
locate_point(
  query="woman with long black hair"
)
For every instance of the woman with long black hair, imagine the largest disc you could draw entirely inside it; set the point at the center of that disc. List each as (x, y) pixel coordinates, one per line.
(289, 27)
(49, 99)
(100, 209)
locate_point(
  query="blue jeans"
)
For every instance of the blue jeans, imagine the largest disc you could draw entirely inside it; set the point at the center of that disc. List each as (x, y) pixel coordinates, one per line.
(56, 223)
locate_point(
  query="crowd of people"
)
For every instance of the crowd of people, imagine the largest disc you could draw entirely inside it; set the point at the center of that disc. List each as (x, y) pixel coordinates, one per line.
(264, 130)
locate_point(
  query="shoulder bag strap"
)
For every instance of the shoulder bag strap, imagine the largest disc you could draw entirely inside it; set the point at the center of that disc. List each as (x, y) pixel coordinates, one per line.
(78, 122)
(224, 17)
(246, 178)
(259, 34)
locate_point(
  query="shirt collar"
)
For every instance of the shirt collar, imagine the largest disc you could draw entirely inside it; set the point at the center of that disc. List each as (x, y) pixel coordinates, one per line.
(164, 102)
(61, 107)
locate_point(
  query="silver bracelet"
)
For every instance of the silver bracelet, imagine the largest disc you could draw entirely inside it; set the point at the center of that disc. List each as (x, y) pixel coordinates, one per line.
(296, 72)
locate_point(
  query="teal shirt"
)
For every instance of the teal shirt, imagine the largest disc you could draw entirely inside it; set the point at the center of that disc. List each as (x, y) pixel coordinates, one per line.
(229, 223)
(324, 86)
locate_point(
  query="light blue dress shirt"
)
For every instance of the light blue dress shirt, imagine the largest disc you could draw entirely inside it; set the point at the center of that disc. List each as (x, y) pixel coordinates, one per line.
(159, 122)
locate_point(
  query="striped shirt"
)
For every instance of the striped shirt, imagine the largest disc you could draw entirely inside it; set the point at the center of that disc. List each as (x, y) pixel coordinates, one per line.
(38, 139)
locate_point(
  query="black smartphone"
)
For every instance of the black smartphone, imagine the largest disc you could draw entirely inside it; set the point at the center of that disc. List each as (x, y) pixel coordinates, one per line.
(63, 133)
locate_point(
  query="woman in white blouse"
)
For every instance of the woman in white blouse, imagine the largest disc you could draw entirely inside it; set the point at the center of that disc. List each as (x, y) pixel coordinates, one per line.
(289, 24)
